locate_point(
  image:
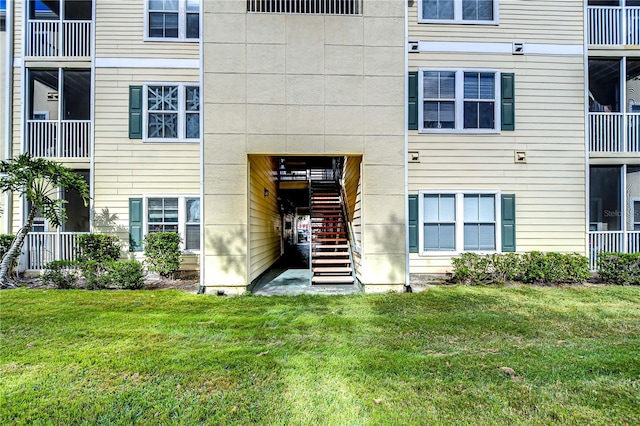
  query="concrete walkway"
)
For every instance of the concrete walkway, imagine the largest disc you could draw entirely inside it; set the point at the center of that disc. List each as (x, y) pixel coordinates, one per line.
(293, 279)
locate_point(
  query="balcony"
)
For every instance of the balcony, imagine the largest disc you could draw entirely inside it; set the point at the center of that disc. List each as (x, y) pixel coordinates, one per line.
(616, 25)
(614, 132)
(58, 139)
(611, 241)
(59, 38)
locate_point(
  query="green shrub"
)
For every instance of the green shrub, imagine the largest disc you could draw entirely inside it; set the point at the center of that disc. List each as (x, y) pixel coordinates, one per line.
(98, 247)
(5, 243)
(93, 273)
(532, 267)
(162, 252)
(127, 274)
(555, 268)
(619, 268)
(63, 274)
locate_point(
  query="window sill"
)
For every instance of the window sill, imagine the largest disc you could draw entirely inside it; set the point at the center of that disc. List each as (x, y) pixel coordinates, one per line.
(171, 40)
(457, 22)
(164, 141)
(460, 131)
(455, 253)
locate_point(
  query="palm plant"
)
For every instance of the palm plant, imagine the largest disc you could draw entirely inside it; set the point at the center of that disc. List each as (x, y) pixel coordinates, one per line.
(37, 180)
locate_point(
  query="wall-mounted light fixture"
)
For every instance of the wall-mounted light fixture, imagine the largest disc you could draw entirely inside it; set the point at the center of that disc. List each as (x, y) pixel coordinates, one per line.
(266, 192)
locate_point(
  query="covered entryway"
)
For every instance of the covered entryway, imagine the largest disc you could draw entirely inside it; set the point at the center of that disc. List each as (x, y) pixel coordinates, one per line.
(309, 206)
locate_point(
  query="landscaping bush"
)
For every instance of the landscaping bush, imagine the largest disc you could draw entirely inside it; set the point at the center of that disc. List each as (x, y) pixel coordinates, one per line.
(63, 274)
(98, 247)
(127, 274)
(532, 267)
(5, 243)
(619, 268)
(162, 252)
(93, 272)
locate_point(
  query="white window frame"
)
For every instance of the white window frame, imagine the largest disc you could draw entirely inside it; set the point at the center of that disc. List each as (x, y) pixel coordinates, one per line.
(182, 217)
(457, 15)
(632, 202)
(182, 113)
(459, 101)
(459, 222)
(182, 24)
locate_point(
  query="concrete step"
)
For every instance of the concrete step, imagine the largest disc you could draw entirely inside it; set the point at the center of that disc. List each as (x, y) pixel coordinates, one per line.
(337, 280)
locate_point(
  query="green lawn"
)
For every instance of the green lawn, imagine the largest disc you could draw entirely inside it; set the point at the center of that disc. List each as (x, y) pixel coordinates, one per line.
(166, 357)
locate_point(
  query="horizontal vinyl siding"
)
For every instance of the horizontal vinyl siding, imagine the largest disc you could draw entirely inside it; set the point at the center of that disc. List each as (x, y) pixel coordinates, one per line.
(120, 33)
(531, 21)
(17, 28)
(264, 217)
(126, 167)
(353, 189)
(550, 187)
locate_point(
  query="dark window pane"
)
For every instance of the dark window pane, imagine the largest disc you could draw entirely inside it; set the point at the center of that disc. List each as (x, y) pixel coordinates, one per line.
(192, 240)
(605, 201)
(437, 9)
(471, 115)
(163, 24)
(193, 25)
(486, 115)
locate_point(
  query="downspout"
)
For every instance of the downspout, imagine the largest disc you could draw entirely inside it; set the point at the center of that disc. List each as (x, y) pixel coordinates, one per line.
(587, 136)
(202, 288)
(8, 118)
(407, 282)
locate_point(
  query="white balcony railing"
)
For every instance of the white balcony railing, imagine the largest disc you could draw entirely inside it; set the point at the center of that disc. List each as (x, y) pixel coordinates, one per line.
(611, 241)
(605, 25)
(41, 248)
(633, 133)
(313, 7)
(58, 139)
(633, 25)
(613, 25)
(45, 38)
(605, 132)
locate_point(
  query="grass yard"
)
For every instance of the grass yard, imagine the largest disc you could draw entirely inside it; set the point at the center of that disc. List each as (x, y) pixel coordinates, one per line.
(166, 357)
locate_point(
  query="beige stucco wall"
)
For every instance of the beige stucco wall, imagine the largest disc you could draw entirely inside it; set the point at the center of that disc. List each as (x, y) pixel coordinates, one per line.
(303, 85)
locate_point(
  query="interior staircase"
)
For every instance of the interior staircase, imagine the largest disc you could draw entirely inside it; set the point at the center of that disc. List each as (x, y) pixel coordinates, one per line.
(330, 256)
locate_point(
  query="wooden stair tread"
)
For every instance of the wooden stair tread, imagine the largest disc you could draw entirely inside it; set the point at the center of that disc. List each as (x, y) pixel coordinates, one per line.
(332, 269)
(330, 254)
(330, 261)
(317, 246)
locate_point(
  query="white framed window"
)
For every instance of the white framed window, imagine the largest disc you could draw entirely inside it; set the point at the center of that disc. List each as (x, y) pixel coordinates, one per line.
(459, 100)
(172, 20)
(635, 213)
(453, 222)
(458, 11)
(171, 112)
(173, 213)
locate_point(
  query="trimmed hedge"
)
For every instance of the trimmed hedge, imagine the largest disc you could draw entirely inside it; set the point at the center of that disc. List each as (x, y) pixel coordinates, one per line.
(532, 267)
(125, 274)
(98, 247)
(162, 252)
(619, 268)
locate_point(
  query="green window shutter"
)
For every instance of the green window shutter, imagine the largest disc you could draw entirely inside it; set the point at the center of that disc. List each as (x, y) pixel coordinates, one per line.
(507, 99)
(413, 223)
(412, 101)
(135, 224)
(508, 223)
(135, 112)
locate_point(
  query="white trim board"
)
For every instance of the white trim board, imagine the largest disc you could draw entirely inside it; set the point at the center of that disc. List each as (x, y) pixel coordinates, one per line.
(147, 63)
(502, 48)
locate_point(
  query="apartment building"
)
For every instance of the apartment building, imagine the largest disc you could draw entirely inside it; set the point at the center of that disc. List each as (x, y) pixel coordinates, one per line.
(401, 133)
